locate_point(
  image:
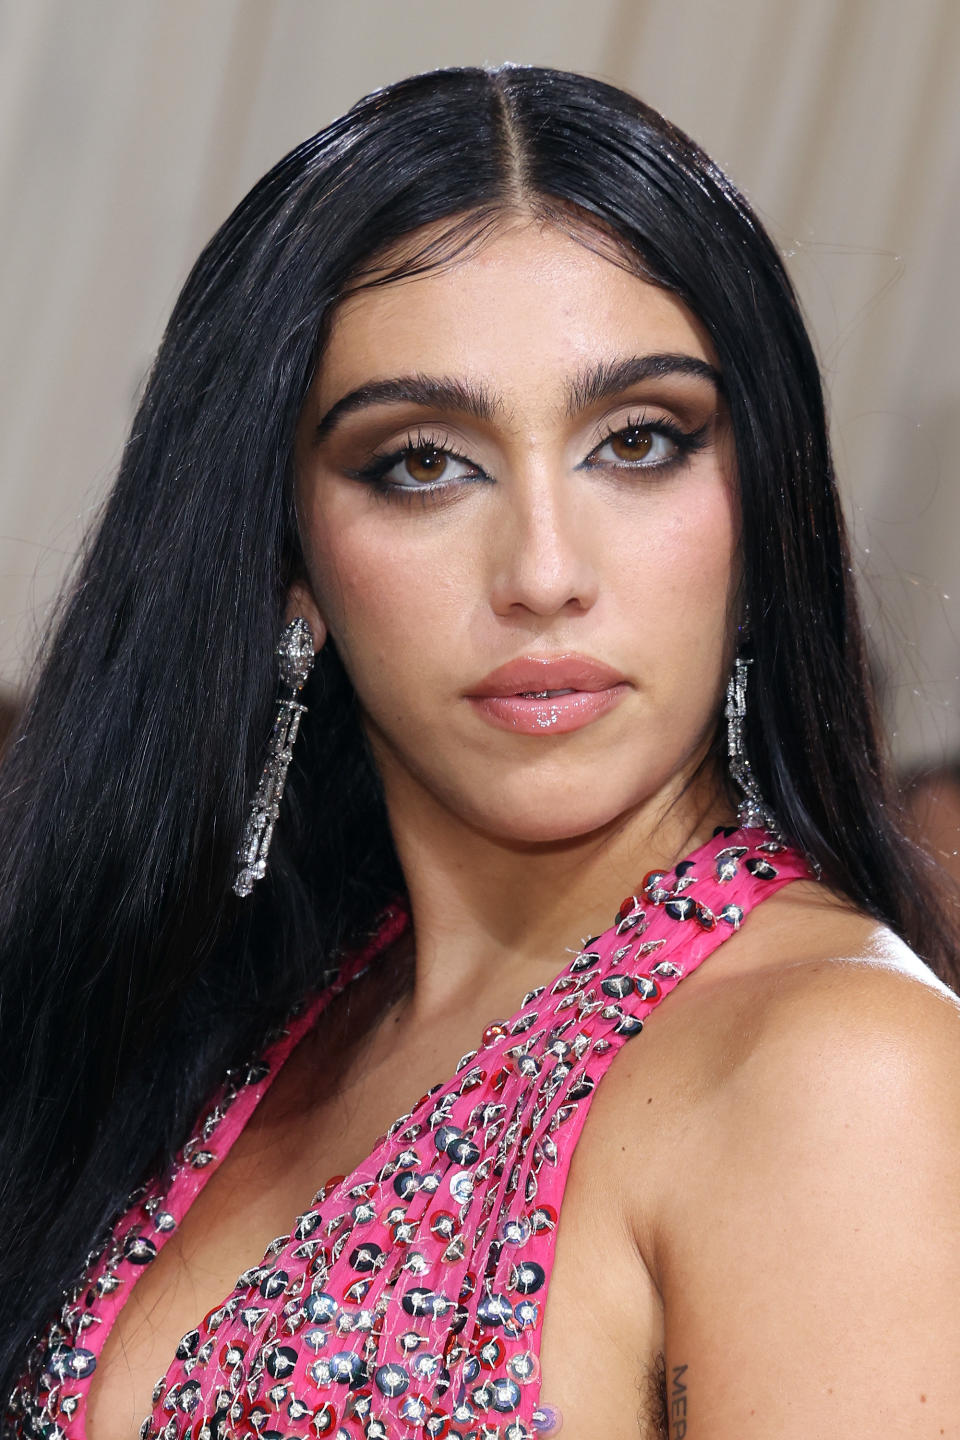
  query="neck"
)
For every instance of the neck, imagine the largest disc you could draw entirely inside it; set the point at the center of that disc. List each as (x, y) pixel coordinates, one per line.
(495, 917)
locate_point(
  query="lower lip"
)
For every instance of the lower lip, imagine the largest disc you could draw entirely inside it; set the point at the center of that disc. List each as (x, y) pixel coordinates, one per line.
(547, 717)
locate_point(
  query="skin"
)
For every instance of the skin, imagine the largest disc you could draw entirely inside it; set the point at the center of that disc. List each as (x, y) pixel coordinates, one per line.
(764, 1198)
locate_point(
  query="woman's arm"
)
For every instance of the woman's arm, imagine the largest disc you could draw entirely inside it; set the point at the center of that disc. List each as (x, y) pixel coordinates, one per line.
(811, 1270)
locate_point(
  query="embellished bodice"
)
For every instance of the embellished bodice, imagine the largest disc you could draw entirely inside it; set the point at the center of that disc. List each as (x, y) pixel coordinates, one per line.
(408, 1299)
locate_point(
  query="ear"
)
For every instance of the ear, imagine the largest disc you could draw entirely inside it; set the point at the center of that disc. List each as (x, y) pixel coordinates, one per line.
(300, 601)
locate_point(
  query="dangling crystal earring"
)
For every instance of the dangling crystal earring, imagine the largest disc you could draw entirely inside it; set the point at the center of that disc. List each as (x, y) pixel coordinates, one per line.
(295, 652)
(753, 811)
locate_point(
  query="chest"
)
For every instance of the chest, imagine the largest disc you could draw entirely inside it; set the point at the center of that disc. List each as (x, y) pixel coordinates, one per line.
(414, 1289)
(603, 1320)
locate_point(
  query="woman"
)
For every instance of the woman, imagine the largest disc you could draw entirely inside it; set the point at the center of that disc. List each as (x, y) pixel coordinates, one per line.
(495, 398)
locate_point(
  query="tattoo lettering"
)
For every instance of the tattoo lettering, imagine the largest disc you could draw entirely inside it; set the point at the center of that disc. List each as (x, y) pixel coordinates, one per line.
(678, 1403)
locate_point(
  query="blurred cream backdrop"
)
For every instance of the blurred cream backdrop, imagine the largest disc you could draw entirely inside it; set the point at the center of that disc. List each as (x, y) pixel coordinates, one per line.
(129, 128)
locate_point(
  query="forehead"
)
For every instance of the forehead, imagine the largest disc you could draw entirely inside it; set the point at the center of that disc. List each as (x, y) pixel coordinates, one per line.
(528, 306)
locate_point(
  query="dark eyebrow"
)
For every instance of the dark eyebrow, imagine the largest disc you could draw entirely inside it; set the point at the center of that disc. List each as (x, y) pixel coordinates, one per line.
(597, 382)
(429, 391)
(609, 377)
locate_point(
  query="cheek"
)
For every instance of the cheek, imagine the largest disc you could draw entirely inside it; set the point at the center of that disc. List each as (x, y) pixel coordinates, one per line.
(684, 566)
(699, 563)
(383, 588)
(683, 585)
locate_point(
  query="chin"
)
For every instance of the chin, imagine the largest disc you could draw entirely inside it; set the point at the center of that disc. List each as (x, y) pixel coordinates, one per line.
(547, 822)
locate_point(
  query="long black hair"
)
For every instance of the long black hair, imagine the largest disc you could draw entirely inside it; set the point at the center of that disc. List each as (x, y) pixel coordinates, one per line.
(131, 976)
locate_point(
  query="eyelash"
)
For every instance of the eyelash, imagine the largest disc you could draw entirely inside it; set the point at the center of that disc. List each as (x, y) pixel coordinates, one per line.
(372, 474)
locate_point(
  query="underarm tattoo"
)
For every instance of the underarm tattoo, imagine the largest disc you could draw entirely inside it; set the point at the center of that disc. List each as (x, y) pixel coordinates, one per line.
(679, 1405)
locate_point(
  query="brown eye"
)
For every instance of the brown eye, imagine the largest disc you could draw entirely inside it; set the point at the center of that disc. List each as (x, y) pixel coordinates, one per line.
(632, 444)
(426, 464)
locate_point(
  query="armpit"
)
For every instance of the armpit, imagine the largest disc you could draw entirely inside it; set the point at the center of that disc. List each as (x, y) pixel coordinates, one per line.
(652, 1417)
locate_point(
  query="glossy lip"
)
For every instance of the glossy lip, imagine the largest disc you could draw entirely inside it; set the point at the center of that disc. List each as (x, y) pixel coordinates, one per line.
(548, 672)
(594, 689)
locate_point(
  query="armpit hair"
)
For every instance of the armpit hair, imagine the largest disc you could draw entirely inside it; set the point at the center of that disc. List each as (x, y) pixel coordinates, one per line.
(653, 1417)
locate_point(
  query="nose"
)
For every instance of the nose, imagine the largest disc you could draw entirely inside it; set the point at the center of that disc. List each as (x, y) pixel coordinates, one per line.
(542, 550)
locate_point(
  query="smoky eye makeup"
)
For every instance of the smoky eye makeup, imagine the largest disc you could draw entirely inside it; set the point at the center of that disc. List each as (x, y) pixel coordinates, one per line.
(649, 443)
(427, 462)
(427, 459)
(637, 439)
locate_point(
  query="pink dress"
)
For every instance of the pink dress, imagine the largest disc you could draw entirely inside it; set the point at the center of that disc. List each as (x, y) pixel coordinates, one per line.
(408, 1300)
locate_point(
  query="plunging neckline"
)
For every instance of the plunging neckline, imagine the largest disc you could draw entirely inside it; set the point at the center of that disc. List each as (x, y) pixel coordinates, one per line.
(625, 999)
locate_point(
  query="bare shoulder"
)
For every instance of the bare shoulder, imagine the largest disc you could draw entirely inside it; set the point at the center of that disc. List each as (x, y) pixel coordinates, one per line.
(812, 1037)
(845, 1020)
(853, 1056)
(807, 1184)
(845, 998)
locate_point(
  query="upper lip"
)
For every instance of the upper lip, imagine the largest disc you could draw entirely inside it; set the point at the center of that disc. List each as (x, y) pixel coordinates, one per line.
(535, 673)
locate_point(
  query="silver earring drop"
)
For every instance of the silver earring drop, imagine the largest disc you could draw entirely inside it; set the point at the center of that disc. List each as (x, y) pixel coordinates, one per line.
(295, 653)
(753, 811)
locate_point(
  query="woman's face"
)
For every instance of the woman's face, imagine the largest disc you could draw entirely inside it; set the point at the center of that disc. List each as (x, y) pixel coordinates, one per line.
(522, 458)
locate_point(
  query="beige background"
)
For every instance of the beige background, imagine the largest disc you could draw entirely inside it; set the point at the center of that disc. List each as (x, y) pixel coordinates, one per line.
(129, 128)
